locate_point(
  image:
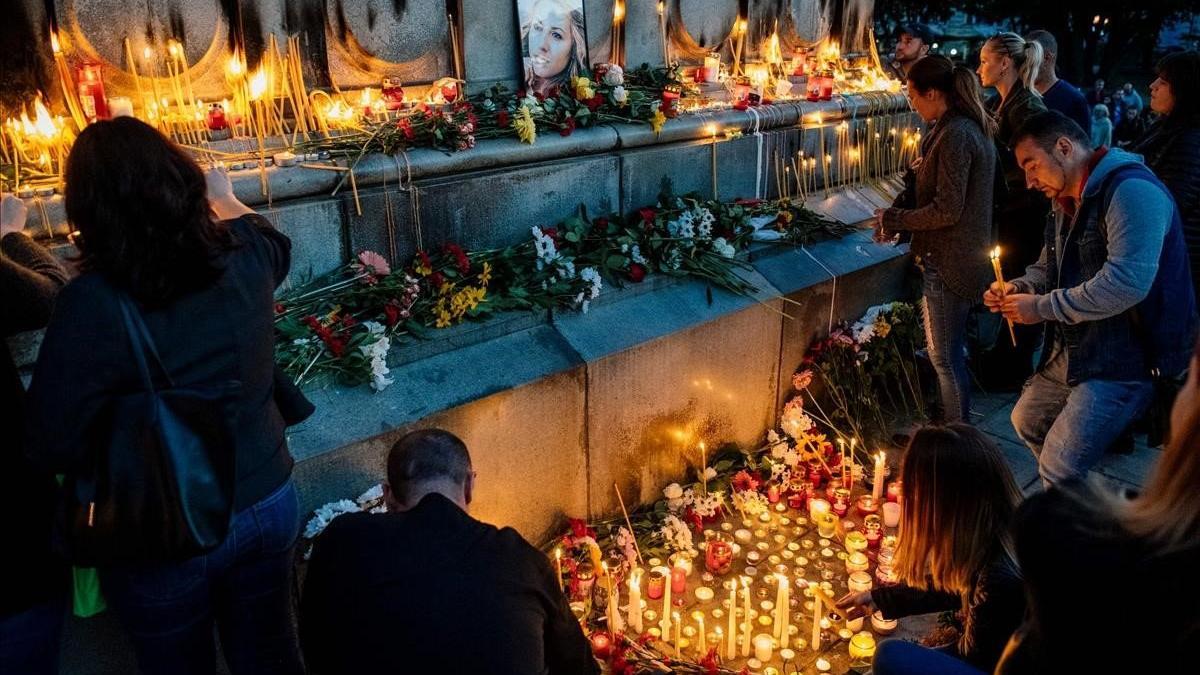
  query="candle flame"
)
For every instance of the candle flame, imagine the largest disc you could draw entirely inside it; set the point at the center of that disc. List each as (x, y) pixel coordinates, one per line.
(662, 8)
(54, 45)
(619, 11)
(712, 131)
(172, 48)
(42, 126)
(995, 254)
(258, 84)
(147, 53)
(234, 67)
(741, 25)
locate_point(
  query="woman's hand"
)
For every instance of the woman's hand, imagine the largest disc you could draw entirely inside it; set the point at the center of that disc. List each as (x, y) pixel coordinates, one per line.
(221, 200)
(860, 601)
(881, 235)
(12, 214)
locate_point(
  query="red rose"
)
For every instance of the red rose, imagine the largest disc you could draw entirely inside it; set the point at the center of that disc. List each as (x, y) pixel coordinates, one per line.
(279, 308)
(348, 321)
(637, 273)
(647, 215)
(568, 127)
(502, 118)
(391, 314)
(594, 102)
(437, 279)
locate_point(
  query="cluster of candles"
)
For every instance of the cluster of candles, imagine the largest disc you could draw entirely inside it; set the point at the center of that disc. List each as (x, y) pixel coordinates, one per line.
(864, 153)
(738, 615)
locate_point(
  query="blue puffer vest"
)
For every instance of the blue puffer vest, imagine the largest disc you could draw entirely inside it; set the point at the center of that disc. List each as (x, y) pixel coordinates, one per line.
(1164, 323)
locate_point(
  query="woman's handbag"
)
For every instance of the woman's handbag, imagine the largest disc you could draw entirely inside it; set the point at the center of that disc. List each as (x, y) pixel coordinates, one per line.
(158, 485)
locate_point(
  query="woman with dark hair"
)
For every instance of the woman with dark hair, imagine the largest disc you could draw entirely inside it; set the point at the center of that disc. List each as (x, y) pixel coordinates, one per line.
(1172, 145)
(955, 553)
(1077, 540)
(951, 219)
(201, 268)
(34, 586)
(1010, 64)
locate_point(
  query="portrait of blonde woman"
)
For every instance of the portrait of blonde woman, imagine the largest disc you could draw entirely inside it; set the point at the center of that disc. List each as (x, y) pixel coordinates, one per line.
(553, 43)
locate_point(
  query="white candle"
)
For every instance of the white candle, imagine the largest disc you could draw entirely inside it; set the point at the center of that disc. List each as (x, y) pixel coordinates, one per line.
(120, 106)
(880, 465)
(614, 613)
(558, 567)
(666, 612)
(703, 648)
(762, 647)
(635, 600)
(712, 67)
(780, 607)
(731, 635)
(816, 630)
(745, 618)
(784, 609)
(891, 514)
(675, 615)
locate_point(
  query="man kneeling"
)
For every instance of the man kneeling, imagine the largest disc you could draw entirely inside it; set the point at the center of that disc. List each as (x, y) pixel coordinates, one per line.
(426, 588)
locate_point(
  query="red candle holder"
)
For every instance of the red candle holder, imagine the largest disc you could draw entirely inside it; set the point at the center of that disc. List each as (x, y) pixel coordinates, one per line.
(90, 86)
(678, 582)
(813, 89)
(835, 484)
(656, 584)
(602, 645)
(393, 94)
(450, 91)
(841, 501)
(816, 474)
(867, 505)
(827, 86)
(718, 556)
(773, 494)
(895, 490)
(670, 97)
(216, 119)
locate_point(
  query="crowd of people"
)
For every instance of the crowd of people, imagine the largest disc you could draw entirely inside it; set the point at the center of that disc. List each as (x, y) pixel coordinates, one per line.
(170, 316)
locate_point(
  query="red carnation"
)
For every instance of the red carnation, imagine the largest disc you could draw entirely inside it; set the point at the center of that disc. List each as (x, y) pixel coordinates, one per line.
(425, 261)
(579, 528)
(744, 481)
(637, 273)
(437, 279)
(502, 118)
(568, 127)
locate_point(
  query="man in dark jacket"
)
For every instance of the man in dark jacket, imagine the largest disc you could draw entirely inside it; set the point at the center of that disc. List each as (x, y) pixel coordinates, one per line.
(913, 42)
(1113, 287)
(426, 588)
(33, 582)
(1058, 94)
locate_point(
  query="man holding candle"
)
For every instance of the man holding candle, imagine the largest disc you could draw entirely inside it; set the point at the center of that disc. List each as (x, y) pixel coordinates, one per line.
(426, 588)
(1114, 288)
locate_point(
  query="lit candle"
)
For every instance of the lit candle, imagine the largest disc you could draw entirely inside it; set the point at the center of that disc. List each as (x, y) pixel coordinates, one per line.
(763, 647)
(995, 256)
(894, 490)
(862, 646)
(877, 484)
(849, 477)
(857, 562)
(702, 648)
(745, 618)
(635, 601)
(731, 631)
(558, 567)
(712, 67)
(739, 27)
(859, 582)
(881, 625)
(675, 616)
(120, 106)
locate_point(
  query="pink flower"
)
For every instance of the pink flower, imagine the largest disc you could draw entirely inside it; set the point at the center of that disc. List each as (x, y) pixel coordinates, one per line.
(374, 262)
(802, 379)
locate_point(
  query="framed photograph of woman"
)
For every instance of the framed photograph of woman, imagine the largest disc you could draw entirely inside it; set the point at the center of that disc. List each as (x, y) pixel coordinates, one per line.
(553, 42)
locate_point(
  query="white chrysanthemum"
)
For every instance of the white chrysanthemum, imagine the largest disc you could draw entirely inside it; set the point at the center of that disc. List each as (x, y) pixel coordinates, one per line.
(635, 254)
(325, 515)
(676, 535)
(376, 492)
(614, 76)
(724, 248)
(592, 277)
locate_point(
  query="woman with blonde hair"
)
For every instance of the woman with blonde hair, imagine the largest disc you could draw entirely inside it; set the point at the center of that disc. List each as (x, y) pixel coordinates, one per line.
(1009, 63)
(1107, 568)
(955, 552)
(555, 45)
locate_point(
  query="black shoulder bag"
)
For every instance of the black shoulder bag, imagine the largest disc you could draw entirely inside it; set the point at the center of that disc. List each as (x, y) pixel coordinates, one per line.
(158, 484)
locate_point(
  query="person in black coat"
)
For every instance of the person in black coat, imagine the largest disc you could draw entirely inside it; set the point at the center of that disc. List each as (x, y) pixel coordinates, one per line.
(202, 269)
(955, 553)
(1171, 146)
(33, 581)
(1112, 577)
(426, 588)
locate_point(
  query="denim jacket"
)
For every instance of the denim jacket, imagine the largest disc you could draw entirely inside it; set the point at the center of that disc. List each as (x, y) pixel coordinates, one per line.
(1116, 278)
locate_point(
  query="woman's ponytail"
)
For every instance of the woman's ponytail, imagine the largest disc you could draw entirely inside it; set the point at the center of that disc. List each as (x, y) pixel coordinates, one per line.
(957, 83)
(1026, 55)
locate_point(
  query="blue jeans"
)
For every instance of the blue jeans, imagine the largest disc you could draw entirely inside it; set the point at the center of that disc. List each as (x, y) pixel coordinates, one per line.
(946, 336)
(901, 657)
(1069, 428)
(243, 587)
(29, 640)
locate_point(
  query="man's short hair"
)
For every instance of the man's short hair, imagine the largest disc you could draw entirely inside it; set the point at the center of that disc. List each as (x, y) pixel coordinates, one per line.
(917, 30)
(1045, 128)
(425, 456)
(1046, 39)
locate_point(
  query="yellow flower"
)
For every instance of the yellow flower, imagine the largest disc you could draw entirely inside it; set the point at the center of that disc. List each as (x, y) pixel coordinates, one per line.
(658, 121)
(583, 88)
(486, 274)
(523, 123)
(443, 318)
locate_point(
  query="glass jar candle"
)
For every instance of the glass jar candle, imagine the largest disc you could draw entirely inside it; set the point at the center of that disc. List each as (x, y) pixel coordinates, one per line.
(891, 514)
(393, 94)
(816, 472)
(862, 646)
(895, 490)
(856, 542)
(718, 556)
(857, 562)
(859, 582)
(881, 625)
(656, 584)
(866, 505)
(841, 501)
